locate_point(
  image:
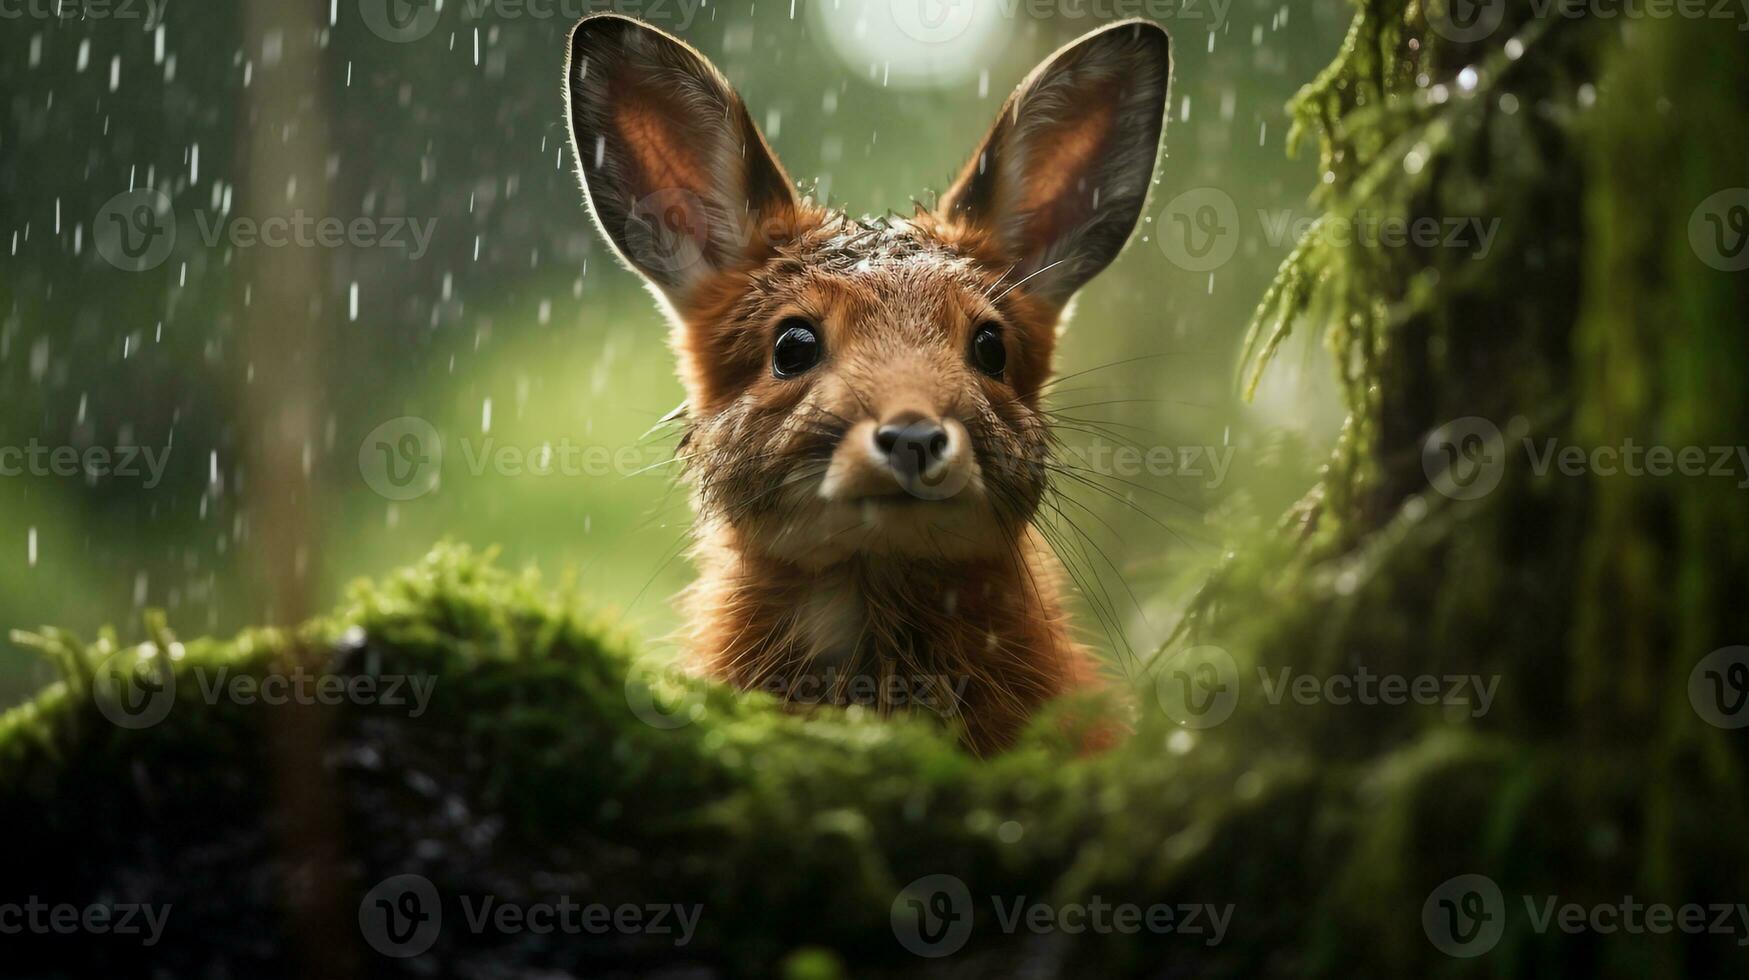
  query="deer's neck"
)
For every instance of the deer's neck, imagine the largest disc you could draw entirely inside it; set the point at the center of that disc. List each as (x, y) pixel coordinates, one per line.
(984, 641)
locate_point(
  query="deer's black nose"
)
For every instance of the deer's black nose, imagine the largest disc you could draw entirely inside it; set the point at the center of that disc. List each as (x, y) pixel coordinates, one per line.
(913, 445)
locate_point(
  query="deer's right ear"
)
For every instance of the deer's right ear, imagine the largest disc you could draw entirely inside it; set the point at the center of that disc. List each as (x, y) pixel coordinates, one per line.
(1061, 179)
(676, 174)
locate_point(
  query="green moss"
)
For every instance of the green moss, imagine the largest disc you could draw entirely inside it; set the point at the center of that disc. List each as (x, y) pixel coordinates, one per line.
(532, 773)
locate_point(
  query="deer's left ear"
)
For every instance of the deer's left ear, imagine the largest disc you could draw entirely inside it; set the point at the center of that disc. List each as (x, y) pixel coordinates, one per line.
(676, 173)
(1062, 176)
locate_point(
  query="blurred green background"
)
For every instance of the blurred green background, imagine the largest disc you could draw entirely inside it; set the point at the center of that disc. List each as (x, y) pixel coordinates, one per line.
(516, 330)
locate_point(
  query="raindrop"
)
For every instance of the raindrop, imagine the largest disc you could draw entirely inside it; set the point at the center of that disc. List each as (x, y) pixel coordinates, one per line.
(1415, 159)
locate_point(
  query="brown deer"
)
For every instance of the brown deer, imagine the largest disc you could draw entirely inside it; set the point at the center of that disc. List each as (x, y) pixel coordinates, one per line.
(863, 429)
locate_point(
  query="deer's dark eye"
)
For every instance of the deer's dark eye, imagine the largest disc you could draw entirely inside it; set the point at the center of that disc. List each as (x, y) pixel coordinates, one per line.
(797, 348)
(988, 351)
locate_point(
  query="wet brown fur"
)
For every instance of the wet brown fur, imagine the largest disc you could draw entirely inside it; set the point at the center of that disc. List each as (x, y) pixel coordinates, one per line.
(951, 605)
(993, 619)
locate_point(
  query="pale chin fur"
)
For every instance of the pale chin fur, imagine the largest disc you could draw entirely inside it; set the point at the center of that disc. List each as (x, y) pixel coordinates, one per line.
(816, 532)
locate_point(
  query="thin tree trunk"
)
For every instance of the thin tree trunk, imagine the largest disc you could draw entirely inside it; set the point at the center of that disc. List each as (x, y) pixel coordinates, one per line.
(284, 318)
